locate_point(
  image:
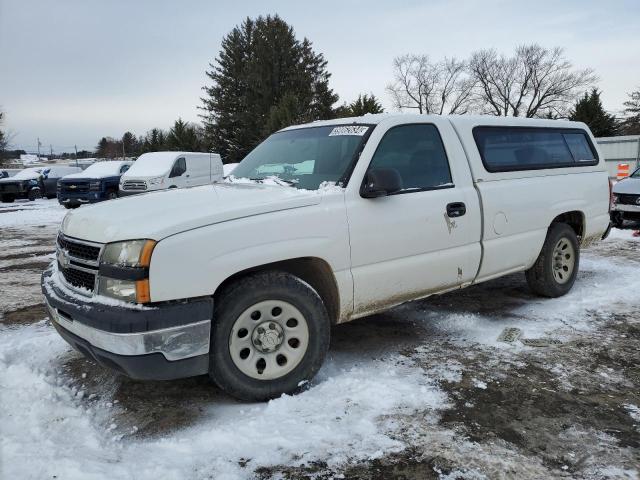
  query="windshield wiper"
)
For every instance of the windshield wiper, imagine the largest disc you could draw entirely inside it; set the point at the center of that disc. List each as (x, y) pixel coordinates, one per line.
(293, 183)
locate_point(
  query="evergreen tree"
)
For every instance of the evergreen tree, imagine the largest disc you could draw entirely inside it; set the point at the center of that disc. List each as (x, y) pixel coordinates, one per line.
(183, 137)
(362, 105)
(262, 77)
(102, 148)
(154, 141)
(285, 113)
(631, 124)
(590, 111)
(130, 143)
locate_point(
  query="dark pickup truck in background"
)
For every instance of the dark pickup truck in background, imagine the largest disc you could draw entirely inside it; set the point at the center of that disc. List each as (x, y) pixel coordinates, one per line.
(33, 182)
(97, 183)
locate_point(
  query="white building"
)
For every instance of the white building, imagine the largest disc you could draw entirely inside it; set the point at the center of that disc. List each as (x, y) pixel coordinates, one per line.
(622, 149)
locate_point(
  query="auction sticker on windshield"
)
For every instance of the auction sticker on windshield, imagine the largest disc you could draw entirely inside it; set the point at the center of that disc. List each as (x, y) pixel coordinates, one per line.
(349, 130)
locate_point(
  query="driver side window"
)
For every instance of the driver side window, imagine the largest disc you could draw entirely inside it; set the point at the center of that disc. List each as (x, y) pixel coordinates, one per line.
(417, 154)
(178, 168)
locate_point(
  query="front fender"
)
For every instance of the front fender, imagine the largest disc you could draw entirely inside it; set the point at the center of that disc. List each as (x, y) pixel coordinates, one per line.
(194, 263)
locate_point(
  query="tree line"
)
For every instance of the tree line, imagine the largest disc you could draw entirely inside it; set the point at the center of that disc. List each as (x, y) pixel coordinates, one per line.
(531, 82)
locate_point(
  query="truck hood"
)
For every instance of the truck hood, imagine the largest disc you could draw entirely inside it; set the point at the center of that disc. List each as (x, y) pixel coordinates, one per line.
(628, 185)
(158, 215)
(20, 179)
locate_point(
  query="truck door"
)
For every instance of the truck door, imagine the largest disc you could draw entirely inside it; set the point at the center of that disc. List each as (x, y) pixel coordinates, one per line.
(423, 238)
(178, 174)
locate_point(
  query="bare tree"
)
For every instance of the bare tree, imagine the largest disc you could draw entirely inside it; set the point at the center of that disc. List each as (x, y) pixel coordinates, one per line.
(437, 88)
(534, 82)
(3, 136)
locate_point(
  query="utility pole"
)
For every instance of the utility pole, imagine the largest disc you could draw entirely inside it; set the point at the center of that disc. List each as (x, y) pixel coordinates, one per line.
(75, 147)
(50, 152)
(39, 148)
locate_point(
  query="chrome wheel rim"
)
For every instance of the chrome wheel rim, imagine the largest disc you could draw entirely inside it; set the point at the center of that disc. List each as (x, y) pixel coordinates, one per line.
(564, 261)
(269, 339)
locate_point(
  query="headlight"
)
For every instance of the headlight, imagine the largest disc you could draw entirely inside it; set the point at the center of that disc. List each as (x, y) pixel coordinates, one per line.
(125, 275)
(132, 253)
(121, 289)
(94, 186)
(156, 181)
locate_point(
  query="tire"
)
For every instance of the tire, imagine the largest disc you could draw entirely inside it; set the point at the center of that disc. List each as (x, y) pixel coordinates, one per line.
(112, 195)
(556, 268)
(33, 194)
(616, 219)
(8, 198)
(236, 308)
(68, 207)
(51, 197)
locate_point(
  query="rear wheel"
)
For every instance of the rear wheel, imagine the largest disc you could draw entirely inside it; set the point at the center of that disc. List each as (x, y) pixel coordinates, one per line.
(270, 334)
(8, 198)
(555, 270)
(112, 195)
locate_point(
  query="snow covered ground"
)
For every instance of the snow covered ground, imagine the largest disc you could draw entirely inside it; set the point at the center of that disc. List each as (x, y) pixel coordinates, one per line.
(424, 391)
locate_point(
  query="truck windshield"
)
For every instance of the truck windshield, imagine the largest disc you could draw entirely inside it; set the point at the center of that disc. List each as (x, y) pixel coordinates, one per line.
(305, 157)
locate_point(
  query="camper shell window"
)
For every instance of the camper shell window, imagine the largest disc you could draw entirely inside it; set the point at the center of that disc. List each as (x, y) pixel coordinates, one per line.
(507, 149)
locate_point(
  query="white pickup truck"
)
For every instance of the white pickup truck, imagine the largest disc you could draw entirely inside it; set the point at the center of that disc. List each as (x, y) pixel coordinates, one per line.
(321, 224)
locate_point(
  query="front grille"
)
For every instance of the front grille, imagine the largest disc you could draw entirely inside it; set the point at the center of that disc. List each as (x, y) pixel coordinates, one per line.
(628, 199)
(11, 188)
(78, 278)
(79, 250)
(74, 187)
(138, 185)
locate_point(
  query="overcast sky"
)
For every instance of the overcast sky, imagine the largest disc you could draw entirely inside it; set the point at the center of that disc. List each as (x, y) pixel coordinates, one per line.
(72, 71)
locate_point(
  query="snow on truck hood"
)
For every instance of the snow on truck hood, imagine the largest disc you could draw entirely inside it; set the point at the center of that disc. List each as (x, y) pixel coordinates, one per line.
(158, 215)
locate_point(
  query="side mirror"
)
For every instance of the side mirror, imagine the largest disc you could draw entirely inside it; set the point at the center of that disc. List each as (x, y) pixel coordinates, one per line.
(380, 182)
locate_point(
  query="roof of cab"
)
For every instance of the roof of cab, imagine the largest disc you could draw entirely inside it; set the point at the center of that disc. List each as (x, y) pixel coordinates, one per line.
(465, 121)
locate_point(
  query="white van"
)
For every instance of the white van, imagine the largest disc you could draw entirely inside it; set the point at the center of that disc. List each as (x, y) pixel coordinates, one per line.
(162, 170)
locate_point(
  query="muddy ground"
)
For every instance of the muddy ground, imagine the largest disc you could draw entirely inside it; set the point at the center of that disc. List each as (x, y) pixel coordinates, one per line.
(562, 409)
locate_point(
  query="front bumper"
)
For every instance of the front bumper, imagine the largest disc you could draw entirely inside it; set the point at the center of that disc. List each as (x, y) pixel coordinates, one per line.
(625, 216)
(65, 198)
(128, 193)
(162, 342)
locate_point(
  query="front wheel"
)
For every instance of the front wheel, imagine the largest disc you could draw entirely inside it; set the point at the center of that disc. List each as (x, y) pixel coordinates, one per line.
(34, 194)
(617, 219)
(555, 270)
(112, 195)
(270, 334)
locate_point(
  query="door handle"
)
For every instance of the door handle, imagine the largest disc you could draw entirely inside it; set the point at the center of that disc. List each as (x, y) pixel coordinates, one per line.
(456, 209)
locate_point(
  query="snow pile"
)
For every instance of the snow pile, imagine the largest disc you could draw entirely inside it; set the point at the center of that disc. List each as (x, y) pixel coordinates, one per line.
(340, 418)
(25, 213)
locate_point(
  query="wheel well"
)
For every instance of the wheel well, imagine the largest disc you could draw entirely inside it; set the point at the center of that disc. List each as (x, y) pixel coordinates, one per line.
(574, 219)
(314, 271)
